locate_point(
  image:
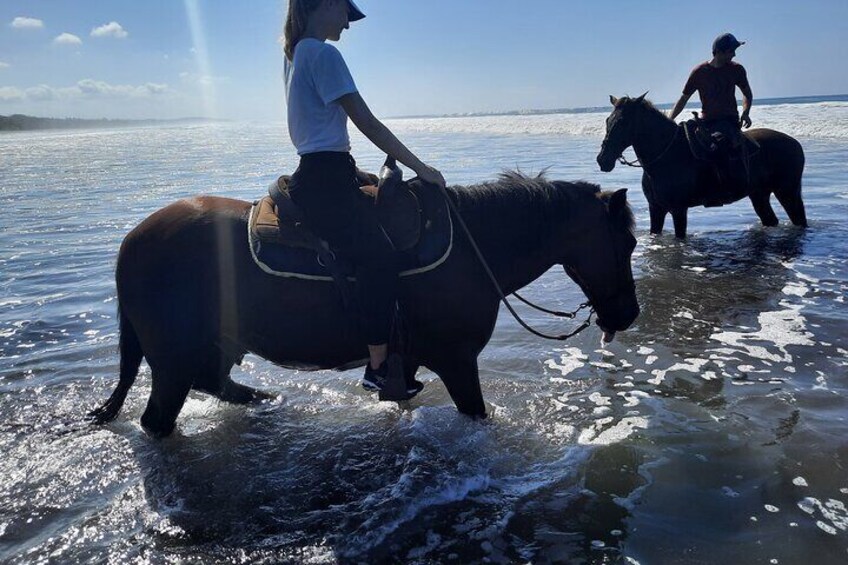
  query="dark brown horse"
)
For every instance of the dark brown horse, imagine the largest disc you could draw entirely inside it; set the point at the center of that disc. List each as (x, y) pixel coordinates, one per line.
(193, 302)
(674, 180)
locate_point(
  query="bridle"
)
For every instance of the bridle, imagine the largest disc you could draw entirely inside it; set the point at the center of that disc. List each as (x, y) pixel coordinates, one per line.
(558, 314)
(583, 286)
(638, 162)
(620, 288)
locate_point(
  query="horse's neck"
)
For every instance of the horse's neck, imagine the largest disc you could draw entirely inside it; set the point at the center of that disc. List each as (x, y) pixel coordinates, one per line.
(523, 270)
(655, 134)
(512, 240)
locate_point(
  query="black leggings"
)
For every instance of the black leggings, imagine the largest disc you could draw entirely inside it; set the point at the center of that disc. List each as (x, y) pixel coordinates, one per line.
(325, 187)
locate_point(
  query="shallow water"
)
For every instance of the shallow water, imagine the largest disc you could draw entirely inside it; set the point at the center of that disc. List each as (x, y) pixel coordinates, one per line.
(713, 431)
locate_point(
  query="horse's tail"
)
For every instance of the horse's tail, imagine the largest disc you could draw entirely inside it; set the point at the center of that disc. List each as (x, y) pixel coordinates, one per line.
(131, 356)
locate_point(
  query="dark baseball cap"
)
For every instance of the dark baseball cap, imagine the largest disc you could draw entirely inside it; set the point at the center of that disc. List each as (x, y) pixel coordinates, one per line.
(353, 12)
(726, 42)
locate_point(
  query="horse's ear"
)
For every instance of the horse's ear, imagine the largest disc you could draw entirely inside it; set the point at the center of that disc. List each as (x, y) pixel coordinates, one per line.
(641, 98)
(618, 201)
(613, 100)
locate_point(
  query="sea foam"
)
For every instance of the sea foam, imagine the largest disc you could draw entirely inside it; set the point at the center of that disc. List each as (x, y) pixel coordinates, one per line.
(823, 119)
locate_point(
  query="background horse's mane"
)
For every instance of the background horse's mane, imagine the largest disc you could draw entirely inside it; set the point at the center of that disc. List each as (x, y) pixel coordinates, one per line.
(644, 103)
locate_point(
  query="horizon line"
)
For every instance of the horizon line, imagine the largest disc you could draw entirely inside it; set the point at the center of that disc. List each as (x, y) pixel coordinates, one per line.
(770, 101)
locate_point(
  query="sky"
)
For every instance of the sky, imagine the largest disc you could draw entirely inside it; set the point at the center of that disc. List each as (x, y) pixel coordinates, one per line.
(222, 58)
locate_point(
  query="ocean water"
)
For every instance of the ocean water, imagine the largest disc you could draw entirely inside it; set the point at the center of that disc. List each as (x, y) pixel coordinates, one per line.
(713, 431)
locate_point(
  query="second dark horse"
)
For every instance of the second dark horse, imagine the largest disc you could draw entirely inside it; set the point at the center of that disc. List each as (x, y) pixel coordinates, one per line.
(192, 300)
(674, 180)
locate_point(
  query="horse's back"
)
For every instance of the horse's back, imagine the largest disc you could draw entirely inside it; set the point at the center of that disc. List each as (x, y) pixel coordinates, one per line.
(780, 161)
(189, 212)
(177, 234)
(773, 140)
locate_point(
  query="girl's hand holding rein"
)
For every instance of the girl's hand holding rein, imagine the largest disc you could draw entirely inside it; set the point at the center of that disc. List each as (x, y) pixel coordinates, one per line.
(432, 176)
(372, 128)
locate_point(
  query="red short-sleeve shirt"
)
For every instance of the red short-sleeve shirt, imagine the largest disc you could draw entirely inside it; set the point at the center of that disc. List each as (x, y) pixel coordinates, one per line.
(717, 88)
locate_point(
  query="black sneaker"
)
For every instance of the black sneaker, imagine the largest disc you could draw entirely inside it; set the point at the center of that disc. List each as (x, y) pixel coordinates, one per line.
(376, 380)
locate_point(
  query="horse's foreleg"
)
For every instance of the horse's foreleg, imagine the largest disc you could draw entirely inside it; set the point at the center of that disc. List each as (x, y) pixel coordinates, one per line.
(763, 208)
(461, 378)
(657, 213)
(657, 218)
(680, 218)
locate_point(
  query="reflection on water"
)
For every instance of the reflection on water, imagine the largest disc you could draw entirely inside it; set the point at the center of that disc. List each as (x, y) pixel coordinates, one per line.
(694, 285)
(354, 489)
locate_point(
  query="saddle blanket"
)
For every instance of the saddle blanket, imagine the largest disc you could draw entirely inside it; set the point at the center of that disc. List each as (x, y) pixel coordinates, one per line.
(433, 248)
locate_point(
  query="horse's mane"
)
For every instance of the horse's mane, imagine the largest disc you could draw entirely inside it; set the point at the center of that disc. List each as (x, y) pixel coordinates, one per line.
(644, 103)
(546, 200)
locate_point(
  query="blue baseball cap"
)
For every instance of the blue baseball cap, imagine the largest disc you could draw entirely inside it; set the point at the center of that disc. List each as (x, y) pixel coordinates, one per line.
(353, 12)
(726, 42)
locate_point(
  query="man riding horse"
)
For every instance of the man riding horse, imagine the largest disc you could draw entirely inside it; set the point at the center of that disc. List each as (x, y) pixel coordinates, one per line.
(716, 81)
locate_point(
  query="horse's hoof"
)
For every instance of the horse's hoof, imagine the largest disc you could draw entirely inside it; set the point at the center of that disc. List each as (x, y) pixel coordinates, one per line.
(102, 415)
(261, 396)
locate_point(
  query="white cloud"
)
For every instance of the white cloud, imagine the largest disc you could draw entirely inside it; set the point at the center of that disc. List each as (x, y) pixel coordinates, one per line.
(67, 39)
(86, 89)
(4, 65)
(11, 94)
(112, 29)
(40, 93)
(95, 88)
(27, 23)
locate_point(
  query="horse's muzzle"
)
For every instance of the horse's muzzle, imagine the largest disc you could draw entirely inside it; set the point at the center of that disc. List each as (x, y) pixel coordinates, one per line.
(618, 319)
(605, 163)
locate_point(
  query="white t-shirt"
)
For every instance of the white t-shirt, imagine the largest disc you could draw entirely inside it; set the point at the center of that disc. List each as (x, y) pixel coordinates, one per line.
(315, 81)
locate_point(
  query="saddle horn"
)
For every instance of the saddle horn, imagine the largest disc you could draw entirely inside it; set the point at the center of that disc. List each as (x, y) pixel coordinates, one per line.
(390, 173)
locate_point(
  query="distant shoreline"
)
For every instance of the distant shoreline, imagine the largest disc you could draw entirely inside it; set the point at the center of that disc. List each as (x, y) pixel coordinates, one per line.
(601, 109)
(21, 122)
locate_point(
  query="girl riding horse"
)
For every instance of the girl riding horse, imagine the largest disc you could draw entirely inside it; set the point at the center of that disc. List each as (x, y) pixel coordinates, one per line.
(321, 96)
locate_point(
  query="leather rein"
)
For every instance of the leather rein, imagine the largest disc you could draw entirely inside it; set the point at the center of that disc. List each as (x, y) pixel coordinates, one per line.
(558, 314)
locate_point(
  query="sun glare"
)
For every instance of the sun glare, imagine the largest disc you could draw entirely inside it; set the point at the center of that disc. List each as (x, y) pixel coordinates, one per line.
(201, 57)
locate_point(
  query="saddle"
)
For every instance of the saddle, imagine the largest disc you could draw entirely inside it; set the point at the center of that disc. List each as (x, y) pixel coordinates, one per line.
(727, 153)
(414, 216)
(279, 220)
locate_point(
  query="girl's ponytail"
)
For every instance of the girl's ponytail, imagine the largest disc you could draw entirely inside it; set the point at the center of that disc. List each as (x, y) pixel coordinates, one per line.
(298, 17)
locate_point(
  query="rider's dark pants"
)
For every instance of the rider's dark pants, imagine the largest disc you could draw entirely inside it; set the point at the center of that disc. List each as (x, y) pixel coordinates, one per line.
(325, 187)
(729, 127)
(730, 160)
